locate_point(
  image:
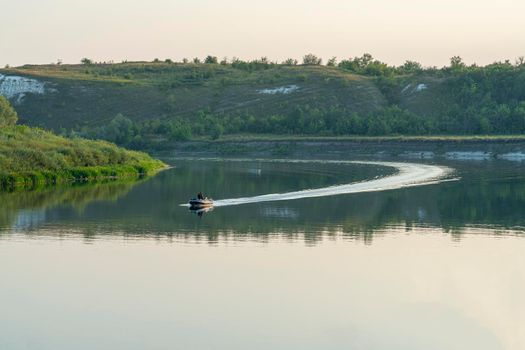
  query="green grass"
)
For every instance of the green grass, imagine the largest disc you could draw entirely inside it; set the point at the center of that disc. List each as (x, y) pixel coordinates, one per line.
(92, 95)
(64, 72)
(31, 157)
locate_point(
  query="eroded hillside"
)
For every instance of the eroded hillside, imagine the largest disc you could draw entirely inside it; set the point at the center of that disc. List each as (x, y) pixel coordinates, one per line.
(73, 96)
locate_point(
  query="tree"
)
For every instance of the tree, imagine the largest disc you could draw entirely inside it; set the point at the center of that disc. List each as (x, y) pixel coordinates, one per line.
(8, 116)
(211, 59)
(332, 62)
(311, 59)
(367, 65)
(196, 60)
(86, 61)
(179, 130)
(456, 63)
(366, 59)
(290, 62)
(411, 67)
(350, 64)
(119, 130)
(216, 131)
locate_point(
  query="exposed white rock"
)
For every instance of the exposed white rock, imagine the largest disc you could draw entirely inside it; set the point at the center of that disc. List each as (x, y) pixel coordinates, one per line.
(12, 86)
(279, 90)
(421, 87)
(411, 89)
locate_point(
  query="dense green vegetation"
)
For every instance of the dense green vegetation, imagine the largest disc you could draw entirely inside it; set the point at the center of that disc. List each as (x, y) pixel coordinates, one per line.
(153, 104)
(8, 115)
(31, 157)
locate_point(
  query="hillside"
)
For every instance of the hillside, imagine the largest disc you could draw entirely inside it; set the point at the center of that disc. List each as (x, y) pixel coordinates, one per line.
(151, 104)
(31, 157)
(72, 96)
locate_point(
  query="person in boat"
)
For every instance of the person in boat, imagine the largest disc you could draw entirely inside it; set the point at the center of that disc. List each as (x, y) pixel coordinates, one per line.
(200, 196)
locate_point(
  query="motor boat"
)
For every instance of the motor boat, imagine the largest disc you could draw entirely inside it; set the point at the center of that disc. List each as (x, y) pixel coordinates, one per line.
(201, 203)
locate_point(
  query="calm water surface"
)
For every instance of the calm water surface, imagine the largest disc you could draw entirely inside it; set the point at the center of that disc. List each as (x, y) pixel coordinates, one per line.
(124, 266)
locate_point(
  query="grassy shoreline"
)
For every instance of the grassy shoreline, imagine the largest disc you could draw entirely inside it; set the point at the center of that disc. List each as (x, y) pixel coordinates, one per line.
(32, 158)
(349, 147)
(42, 178)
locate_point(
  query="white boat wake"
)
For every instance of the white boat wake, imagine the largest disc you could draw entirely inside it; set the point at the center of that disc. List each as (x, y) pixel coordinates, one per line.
(408, 175)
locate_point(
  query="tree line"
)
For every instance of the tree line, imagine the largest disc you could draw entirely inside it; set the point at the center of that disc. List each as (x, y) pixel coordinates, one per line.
(365, 64)
(306, 120)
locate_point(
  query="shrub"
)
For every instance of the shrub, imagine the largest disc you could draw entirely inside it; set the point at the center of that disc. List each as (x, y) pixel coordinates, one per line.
(311, 59)
(211, 60)
(8, 116)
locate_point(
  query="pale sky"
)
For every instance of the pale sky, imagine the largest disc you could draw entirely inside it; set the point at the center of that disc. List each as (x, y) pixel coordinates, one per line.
(431, 31)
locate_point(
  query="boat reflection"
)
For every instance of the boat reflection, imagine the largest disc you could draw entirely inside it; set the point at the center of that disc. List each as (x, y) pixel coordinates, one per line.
(200, 211)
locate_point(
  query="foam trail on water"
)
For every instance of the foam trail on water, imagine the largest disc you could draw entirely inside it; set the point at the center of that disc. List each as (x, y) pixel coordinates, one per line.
(408, 175)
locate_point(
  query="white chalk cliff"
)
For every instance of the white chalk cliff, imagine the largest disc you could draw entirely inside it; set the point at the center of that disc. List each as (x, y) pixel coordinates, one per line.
(16, 87)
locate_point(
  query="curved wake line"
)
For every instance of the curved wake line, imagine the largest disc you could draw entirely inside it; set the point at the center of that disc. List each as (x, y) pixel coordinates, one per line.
(408, 175)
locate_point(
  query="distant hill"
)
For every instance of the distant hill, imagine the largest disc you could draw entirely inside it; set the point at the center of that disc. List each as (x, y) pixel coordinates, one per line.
(153, 102)
(73, 96)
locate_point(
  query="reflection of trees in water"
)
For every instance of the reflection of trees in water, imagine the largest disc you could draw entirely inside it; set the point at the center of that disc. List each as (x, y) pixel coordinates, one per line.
(452, 207)
(152, 209)
(485, 202)
(75, 196)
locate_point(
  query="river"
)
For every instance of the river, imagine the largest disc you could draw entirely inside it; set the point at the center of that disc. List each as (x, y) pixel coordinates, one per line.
(297, 254)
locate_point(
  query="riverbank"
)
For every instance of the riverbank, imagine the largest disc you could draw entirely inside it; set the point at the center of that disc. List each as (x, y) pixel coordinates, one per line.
(356, 138)
(444, 147)
(31, 157)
